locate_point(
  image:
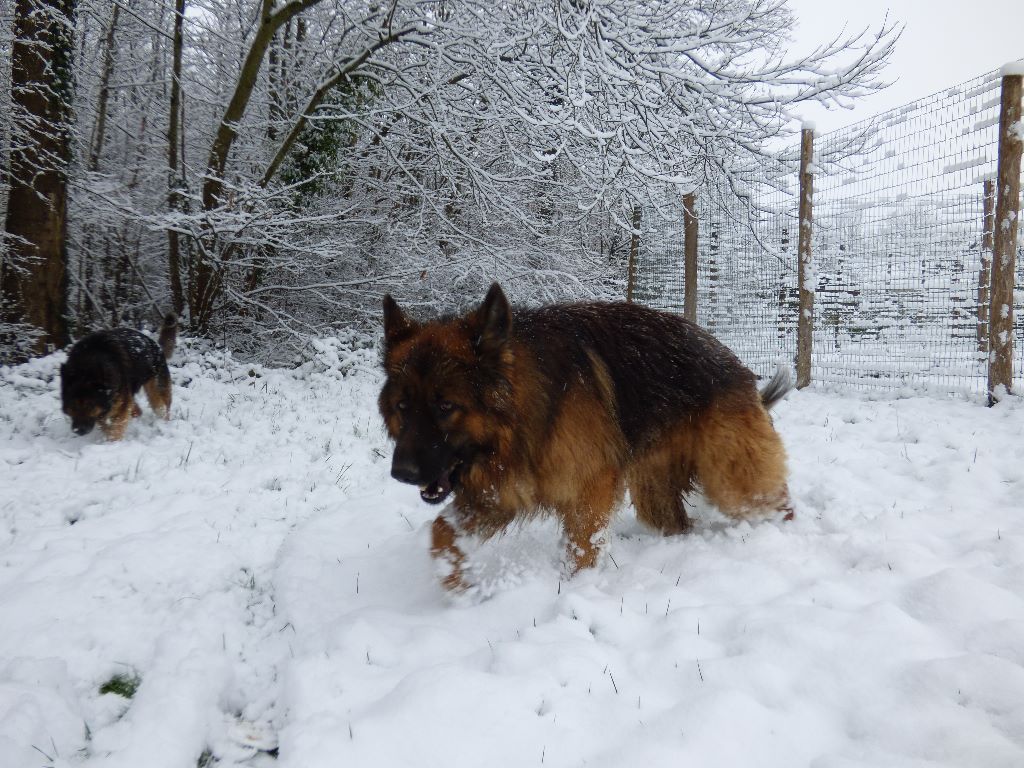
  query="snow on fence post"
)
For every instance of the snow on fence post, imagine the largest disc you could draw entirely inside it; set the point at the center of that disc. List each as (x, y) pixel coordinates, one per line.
(690, 253)
(1011, 138)
(634, 252)
(805, 270)
(985, 271)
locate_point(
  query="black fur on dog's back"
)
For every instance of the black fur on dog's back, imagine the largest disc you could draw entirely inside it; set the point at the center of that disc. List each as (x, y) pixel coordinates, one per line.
(662, 367)
(121, 358)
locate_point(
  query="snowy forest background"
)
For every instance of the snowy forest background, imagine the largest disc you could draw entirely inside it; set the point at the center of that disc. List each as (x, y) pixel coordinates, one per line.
(268, 169)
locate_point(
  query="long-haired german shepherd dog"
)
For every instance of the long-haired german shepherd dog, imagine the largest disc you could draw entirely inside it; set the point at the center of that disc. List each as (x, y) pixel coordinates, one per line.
(106, 369)
(560, 408)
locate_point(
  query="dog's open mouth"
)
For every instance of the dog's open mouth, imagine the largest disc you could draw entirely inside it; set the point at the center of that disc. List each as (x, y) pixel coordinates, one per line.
(439, 490)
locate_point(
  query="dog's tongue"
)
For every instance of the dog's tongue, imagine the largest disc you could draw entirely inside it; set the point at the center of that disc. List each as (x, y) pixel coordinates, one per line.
(438, 490)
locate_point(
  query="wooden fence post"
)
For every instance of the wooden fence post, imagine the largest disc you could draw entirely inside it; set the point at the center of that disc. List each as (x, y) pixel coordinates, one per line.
(690, 251)
(985, 271)
(1004, 246)
(806, 281)
(634, 251)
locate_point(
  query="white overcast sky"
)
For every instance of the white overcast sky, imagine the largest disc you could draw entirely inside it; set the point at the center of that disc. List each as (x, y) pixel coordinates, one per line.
(944, 42)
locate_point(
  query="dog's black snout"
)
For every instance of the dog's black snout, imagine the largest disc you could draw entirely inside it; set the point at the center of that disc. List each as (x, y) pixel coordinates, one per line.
(82, 429)
(405, 471)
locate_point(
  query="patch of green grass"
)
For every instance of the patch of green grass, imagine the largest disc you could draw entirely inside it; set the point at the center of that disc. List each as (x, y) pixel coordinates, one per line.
(122, 685)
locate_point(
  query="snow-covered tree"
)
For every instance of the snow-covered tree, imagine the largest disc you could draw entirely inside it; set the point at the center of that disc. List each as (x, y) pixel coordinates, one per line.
(328, 151)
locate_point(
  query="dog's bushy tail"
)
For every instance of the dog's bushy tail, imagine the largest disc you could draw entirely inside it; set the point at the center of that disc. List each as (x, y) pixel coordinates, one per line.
(168, 335)
(777, 388)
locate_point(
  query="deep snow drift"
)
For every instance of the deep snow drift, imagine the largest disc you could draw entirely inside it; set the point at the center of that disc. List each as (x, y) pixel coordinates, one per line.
(253, 569)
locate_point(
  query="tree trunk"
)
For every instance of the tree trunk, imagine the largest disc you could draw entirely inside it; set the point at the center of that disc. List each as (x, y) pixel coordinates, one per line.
(33, 278)
(85, 311)
(100, 129)
(173, 178)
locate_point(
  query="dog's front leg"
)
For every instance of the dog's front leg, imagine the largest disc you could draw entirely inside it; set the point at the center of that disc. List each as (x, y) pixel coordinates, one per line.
(443, 547)
(584, 532)
(117, 420)
(586, 521)
(454, 523)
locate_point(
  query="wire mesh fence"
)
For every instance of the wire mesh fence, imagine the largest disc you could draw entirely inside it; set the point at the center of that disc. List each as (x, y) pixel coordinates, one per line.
(899, 249)
(746, 272)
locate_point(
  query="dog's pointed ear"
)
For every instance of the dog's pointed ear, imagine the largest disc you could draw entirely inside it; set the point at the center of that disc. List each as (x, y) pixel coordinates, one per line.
(494, 319)
(396, 324)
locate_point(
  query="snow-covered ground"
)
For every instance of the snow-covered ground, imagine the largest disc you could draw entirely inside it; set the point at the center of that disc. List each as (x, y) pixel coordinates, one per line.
(251, 567)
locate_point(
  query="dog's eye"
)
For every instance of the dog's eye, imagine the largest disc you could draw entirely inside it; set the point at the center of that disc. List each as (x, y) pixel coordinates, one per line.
(402, 405)
(446, 406)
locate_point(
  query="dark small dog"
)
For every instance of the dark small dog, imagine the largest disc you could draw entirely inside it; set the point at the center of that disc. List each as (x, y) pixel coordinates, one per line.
(106, 369)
